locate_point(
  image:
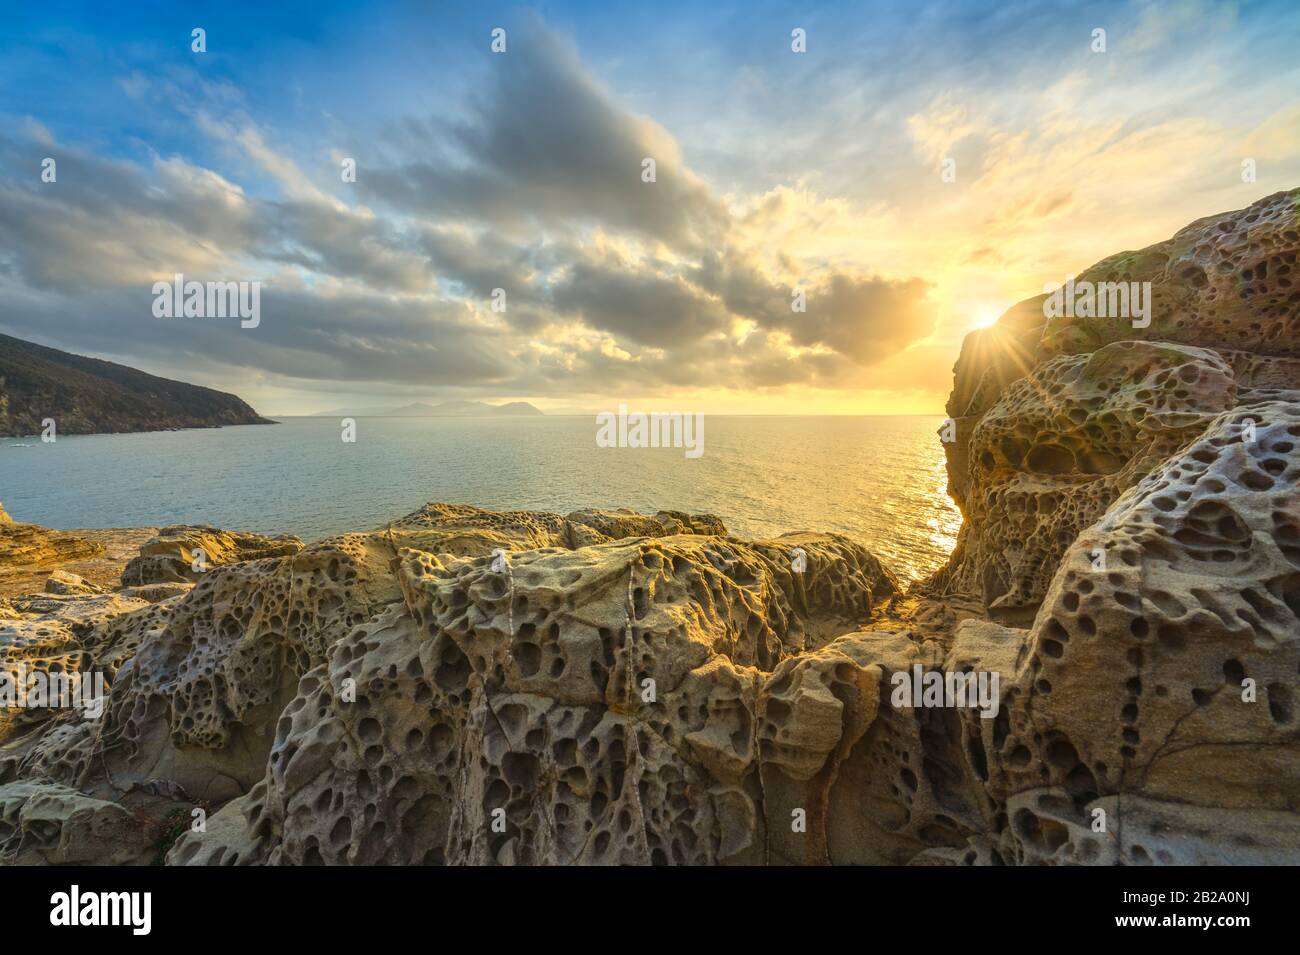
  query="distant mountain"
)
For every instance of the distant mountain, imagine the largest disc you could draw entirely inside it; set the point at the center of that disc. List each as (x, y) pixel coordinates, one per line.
(90, 396)
(444, 409)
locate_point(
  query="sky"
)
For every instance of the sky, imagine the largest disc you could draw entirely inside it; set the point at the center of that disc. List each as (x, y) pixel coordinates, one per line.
(820, 172)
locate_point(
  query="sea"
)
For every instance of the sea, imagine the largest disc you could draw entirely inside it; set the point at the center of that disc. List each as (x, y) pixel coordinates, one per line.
(878, 479)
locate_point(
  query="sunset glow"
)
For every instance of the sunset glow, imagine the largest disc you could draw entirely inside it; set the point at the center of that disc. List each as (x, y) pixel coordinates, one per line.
(909, 200)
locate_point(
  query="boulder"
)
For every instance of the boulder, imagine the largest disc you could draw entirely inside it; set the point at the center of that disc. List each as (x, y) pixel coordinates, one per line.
(182, 552)
(68, 584)
(49, 824)
(30, 545)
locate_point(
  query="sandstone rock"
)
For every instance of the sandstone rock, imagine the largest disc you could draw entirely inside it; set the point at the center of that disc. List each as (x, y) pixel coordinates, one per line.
(471, 687)
(1222, 282)
(545, 667)
(155, 593)
(113, 549)
(62, 582)
(48, 824)
(33, 647)
(1054, 419)
(592, 526)
(80, 613)
(172, 554)
(1200, 591)
(1058, 447)
(1135, 504)
(471, 531)
(30, 545)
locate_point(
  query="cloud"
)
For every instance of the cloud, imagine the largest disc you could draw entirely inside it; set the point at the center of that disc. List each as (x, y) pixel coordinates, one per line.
(353, 338)
(640, 307)
(865, 318)
(354, 297)
(548, 145)
(1161, 23)
(105, 223)
(343, 244)
(612, 283)
(861, 317)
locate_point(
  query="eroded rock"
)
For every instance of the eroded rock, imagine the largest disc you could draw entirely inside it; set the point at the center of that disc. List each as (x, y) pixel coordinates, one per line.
(30, 545)
(470, 687)
(68, 584)
(182, 552)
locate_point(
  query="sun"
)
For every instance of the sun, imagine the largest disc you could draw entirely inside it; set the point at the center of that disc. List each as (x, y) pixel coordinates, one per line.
(984, 317)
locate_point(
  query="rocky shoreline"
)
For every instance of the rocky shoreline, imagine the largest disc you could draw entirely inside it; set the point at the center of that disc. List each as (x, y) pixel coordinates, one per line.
(463, 686)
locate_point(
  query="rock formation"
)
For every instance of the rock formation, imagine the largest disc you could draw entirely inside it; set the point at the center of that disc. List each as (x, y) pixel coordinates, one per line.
(66, 584)
(27, 545)
(175, 552)
(471, 687)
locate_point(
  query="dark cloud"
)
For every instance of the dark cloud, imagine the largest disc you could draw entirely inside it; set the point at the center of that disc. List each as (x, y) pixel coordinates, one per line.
(352, 338)
(102, 216)
(640, 307)
(323, 239)
(612, 284)
(480, 261)
(863, 318)
(547, 144)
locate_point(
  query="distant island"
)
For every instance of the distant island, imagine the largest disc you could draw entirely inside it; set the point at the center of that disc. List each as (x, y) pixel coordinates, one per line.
(91, 396)
(444, 409)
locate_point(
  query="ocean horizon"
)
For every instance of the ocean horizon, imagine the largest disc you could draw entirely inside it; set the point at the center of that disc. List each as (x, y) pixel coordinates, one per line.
(878, 479)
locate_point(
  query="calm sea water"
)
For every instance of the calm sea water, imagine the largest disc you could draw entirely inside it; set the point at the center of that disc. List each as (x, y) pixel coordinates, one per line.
(878, 479)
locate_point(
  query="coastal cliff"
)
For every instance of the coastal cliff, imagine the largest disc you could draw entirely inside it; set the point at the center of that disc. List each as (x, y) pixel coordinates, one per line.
(89, 396)
(467, 686)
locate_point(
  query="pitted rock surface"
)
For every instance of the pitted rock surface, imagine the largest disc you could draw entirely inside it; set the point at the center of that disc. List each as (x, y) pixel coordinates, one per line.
(1052, 419)
(462, 686)
(176, 551)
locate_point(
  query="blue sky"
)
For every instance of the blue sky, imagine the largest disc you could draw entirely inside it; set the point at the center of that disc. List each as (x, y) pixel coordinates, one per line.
(521, 171)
